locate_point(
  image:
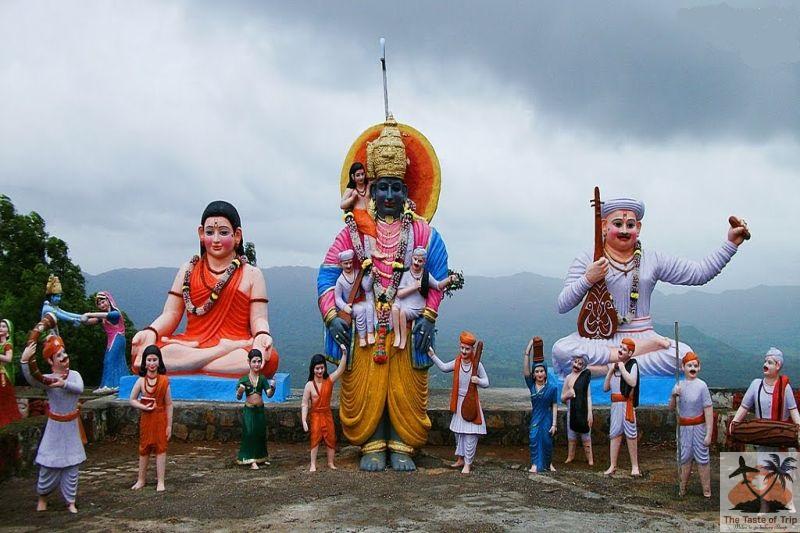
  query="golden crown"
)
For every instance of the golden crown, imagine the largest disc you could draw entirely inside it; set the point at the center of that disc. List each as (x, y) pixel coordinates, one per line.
(53, 285)
(386, 155)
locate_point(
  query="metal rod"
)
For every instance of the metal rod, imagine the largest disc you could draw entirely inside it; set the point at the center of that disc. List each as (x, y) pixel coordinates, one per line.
(385, 85)
(677, 405)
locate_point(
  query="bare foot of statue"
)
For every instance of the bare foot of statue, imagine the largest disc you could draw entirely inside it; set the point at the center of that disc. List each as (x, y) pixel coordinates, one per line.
(138, 485)
(373, 462)
(532, 469)
(466, 469)
(190, 344)
(610, 471)
(71, 508)
(231, 345)
(160, 487)
(636, 473)
(332, 466)
(313, 468)
(402, 462)
(41, 505)
(570, 458)
(253, 466)
(370, 338)
(362, 341)
(552, 468)
(458, 463)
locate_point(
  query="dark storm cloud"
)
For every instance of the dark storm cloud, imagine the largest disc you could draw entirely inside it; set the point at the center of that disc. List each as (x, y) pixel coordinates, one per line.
(623, 69)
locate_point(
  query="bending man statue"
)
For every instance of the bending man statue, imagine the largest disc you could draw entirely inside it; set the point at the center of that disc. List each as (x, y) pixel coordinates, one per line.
(631, 272)
(384, 395)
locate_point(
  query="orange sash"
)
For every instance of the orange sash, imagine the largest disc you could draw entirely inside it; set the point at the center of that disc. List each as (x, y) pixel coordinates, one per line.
(630, 416)
(69, 417)
(692, 420)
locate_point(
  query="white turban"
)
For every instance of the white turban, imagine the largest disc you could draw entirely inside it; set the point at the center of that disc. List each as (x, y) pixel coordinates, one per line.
(346, 254)
(775, 354)
(629, 204)
(581, 356)
(420, 251)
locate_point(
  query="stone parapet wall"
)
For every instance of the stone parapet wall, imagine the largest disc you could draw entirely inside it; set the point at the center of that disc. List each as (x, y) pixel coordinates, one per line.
(507, 413)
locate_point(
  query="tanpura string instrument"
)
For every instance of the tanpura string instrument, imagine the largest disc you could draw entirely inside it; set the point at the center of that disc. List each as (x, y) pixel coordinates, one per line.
(598, 318)
(469, 407)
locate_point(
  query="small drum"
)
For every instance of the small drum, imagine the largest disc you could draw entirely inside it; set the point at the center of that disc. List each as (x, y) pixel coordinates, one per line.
(765, 432)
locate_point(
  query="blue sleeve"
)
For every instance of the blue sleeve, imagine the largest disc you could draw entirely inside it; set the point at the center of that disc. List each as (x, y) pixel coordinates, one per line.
(437, 267)
(114, 316)
(326, 278)
(437, 256)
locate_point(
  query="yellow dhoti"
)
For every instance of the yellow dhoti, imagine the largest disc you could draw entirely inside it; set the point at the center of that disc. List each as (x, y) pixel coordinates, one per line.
(368, 388)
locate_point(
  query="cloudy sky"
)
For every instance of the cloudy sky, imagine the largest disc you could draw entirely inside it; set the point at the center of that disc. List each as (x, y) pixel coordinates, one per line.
(120, 121)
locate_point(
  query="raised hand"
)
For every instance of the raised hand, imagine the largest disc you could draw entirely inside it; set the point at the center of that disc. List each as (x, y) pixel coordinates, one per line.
(28, 353)
(597, 271)
(738, 232)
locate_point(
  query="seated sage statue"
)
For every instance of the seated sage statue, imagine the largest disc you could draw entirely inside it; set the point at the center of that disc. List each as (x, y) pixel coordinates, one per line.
(225, 300)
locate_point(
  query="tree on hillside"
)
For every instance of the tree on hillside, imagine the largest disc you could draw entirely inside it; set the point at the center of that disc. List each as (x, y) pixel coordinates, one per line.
(28, 255)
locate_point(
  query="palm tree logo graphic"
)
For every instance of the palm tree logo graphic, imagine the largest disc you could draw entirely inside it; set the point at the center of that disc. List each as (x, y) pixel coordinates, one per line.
(766, 488)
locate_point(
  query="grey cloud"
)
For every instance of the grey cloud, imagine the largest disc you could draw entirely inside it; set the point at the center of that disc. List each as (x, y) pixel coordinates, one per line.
(624, 69)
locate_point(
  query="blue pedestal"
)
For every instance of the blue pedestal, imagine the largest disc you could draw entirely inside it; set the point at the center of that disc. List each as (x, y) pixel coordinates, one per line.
(653, 390)
(208, 388)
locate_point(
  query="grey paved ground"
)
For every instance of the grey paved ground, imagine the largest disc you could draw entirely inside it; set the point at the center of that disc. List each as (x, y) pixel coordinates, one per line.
(207, 491)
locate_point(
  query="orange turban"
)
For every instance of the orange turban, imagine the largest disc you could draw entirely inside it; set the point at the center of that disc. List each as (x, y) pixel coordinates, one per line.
(52, 345)
(629, 343)
(690, 356)
(467, 338)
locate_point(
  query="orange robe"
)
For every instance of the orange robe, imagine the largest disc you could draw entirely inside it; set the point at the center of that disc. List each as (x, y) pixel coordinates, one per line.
(153, 424)
(322, 427)
(366, 224)
(229, 318)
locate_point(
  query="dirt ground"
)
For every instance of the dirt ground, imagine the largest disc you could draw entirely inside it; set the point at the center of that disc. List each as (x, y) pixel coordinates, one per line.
(207, 491)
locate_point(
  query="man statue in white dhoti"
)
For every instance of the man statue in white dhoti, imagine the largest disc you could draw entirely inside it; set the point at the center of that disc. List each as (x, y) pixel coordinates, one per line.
(631, 273)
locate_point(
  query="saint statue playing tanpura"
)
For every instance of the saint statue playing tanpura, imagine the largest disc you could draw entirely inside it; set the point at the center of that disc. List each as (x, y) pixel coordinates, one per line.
(384, 394)
(630, 272)
(225, 301)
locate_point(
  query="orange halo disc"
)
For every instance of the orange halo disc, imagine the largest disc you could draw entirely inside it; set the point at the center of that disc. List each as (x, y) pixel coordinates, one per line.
(423, 174)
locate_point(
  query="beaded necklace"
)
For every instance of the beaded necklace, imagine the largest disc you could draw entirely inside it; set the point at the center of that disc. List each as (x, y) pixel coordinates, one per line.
(215, 290)
(634, 296)
(384, 296)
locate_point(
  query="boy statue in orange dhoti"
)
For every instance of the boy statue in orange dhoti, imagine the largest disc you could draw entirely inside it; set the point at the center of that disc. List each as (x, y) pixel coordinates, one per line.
(317, 400)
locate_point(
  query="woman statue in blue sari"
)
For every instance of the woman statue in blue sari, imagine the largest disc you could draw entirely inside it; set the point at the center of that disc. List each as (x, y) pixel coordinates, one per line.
(544, 407)
(115, 363)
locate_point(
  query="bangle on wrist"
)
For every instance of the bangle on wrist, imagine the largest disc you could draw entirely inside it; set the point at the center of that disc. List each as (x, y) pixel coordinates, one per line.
(262, 332)
(154, 330)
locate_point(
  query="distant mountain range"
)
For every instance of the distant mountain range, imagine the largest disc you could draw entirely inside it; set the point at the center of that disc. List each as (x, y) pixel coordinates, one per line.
(729, 330)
